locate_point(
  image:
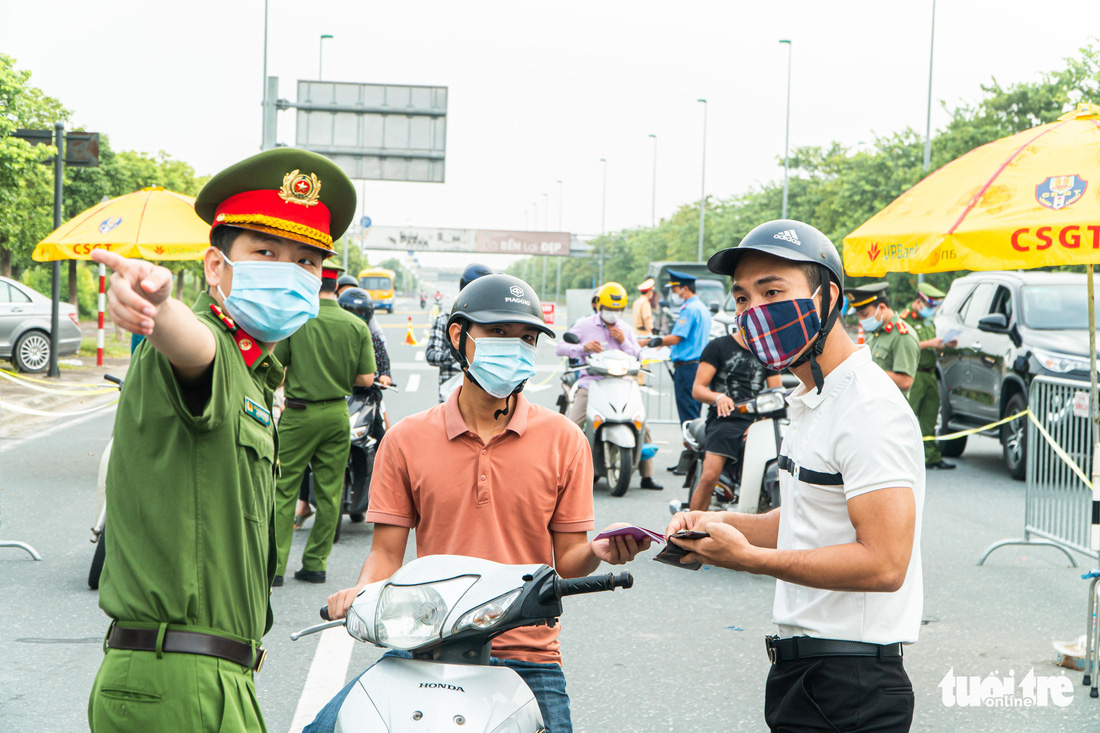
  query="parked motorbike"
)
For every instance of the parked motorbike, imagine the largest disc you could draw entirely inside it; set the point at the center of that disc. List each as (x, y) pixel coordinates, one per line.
(750, 484)
(615, 420)
(99, 528)
(446, 610)
(367, 428)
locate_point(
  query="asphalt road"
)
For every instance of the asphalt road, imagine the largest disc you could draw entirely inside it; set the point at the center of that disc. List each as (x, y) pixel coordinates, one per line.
(679, 651)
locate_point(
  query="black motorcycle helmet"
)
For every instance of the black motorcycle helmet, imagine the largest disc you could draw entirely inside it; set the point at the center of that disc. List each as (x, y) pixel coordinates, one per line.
(797, 242)
(473, 271)
(358, 302)
(493, 299)
(346, 280)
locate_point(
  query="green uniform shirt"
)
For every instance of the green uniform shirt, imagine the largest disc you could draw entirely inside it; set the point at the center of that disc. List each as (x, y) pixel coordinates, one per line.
(324, 356)
(894, 347)
(190, 497)
(926, 331)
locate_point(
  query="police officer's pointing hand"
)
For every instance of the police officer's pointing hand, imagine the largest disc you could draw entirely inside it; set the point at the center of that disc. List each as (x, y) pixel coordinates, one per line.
(137, 288)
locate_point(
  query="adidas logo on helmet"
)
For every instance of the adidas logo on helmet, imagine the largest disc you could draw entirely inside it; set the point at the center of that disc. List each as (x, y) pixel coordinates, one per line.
(789, 236)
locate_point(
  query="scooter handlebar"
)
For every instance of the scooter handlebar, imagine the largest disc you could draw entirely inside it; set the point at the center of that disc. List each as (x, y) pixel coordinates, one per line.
(594, 583)
(324, 613)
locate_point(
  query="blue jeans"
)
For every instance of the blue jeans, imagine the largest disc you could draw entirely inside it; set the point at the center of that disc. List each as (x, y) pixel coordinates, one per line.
(682, 379)
(546, 681)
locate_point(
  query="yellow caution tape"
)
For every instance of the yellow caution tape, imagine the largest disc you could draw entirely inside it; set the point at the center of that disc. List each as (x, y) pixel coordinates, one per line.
(70, 389)
(962, 433)
(1058, 450)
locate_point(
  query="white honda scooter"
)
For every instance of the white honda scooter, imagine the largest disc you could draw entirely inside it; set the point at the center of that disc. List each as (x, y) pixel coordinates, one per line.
(445, 610)
(615, 421)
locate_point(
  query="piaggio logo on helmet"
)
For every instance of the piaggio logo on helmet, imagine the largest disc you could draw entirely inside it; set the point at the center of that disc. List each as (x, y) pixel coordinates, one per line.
(441, 686)
(516, 290)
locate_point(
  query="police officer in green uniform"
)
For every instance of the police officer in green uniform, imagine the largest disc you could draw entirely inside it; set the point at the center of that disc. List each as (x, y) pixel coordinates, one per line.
(924, 395)
(191, 479)
(893, 345)
(324, 359)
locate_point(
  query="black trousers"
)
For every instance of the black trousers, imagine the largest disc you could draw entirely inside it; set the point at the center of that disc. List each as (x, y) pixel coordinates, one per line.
(839, 694)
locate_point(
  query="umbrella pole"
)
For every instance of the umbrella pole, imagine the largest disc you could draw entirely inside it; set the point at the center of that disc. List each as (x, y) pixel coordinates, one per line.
(100, 304)
(1092, 374)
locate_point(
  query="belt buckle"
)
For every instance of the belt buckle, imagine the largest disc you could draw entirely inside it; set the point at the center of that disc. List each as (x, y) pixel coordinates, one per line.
(259, 663)
(769, 644)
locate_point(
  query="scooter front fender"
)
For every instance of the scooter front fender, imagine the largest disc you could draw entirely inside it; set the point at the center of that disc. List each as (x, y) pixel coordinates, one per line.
(759, 449)
(489, 698)
(618, 434)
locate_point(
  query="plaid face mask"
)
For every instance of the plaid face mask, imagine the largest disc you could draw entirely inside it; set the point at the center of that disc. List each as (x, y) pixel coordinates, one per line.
(777, 332)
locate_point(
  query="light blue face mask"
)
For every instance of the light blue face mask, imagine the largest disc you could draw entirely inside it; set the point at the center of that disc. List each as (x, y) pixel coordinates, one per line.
(271, 300)
(927, 312)
(675, 300)
(501, 365)
(870, 324)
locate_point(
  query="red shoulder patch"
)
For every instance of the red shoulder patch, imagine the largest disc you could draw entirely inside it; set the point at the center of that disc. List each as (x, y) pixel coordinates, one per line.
(902, 328)
(888, 327)
(250, 348)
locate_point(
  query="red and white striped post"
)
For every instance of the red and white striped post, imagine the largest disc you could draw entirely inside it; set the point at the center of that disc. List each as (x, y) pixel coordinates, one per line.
(100, 303)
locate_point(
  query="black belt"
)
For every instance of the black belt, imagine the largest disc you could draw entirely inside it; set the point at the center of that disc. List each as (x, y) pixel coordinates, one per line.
(804, 647)
(678, 364)
(930, 370)
(187, 642)
(296, 404)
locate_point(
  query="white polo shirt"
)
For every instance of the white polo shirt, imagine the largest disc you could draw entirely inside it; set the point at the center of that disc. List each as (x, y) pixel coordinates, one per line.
(858, 435)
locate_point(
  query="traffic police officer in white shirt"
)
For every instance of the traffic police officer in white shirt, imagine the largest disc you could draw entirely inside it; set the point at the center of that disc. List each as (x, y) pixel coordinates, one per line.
(844, 546)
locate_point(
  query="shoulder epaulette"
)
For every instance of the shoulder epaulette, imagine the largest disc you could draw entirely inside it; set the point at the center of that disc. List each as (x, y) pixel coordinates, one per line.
(902, 328)
(250, 349)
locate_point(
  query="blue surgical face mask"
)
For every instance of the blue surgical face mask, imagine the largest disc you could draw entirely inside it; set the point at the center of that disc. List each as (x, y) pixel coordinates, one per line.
(675, 299)
(271, 300)
(927, 312)
(870, 324)
(501, 365)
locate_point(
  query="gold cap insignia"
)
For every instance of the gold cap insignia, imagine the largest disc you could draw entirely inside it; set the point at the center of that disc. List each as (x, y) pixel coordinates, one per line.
(245, 344)
(298, 188)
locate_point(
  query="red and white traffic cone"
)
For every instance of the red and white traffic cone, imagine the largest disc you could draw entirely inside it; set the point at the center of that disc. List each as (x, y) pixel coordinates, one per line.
(410, 339)
(859, 336)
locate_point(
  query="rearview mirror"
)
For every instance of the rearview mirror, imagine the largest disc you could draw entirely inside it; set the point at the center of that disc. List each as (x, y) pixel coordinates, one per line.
(713, 307)
(993, 323)
(570, 338)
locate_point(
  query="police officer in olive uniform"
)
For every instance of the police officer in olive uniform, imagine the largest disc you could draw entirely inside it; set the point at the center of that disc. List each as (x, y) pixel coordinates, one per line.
(924, 395)
(324, 359)
(191, 479)
(893, 345)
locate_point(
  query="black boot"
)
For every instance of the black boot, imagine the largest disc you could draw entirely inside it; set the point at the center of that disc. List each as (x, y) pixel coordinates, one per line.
(649, 483)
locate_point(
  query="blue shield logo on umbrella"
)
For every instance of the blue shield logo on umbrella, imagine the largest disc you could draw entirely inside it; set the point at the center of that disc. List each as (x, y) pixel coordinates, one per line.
(108, 224)
(1058, 192)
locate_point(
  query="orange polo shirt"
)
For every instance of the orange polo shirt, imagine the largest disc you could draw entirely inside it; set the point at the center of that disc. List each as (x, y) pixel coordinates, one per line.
(499, 501)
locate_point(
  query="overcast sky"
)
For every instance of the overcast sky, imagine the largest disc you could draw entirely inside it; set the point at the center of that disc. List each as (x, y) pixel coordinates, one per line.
(539, 92)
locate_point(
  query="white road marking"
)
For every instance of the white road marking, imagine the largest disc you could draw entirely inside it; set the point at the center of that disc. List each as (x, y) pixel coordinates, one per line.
(412, 383)
(326, 675)
(419, 356)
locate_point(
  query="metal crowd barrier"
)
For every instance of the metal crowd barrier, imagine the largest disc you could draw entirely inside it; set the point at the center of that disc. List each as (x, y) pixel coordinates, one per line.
(1058, 503)
(659, 395)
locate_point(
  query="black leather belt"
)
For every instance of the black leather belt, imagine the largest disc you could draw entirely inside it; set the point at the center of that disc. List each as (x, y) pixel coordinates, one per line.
(296, 404)
(678, 364)
(929, 370)
(187, 642)
(804, 647)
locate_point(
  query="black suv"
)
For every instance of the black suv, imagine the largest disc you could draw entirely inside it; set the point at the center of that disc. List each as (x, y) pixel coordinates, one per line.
(1013, 326)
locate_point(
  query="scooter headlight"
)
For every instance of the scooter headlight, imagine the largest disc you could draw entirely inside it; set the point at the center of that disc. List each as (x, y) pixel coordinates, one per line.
(488, 614)
(616, 367)
(410, 616)
(770, 402)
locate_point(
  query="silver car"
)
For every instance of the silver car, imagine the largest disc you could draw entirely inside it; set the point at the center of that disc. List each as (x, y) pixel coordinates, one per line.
(25, 327)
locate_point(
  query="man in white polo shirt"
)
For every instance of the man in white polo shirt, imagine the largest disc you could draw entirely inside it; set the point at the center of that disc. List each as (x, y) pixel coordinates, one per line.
(844, 546)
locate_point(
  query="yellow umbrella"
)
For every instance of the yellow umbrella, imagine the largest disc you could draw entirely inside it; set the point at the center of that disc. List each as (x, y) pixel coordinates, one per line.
(1024, 201)
(151, 224)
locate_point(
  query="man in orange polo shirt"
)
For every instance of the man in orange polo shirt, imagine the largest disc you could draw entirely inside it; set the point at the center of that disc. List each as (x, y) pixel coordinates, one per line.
(488, 474)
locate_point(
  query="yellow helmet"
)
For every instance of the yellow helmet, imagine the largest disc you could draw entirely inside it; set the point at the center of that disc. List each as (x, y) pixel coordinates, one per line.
(612, 295)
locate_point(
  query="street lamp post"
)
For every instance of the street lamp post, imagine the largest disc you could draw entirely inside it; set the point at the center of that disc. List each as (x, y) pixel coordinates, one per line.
(703, 194)
(603, 217)
(263, 123)
(928, 119)
(787, 135)
(653, 198)
(321, 57)
(561, 207)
